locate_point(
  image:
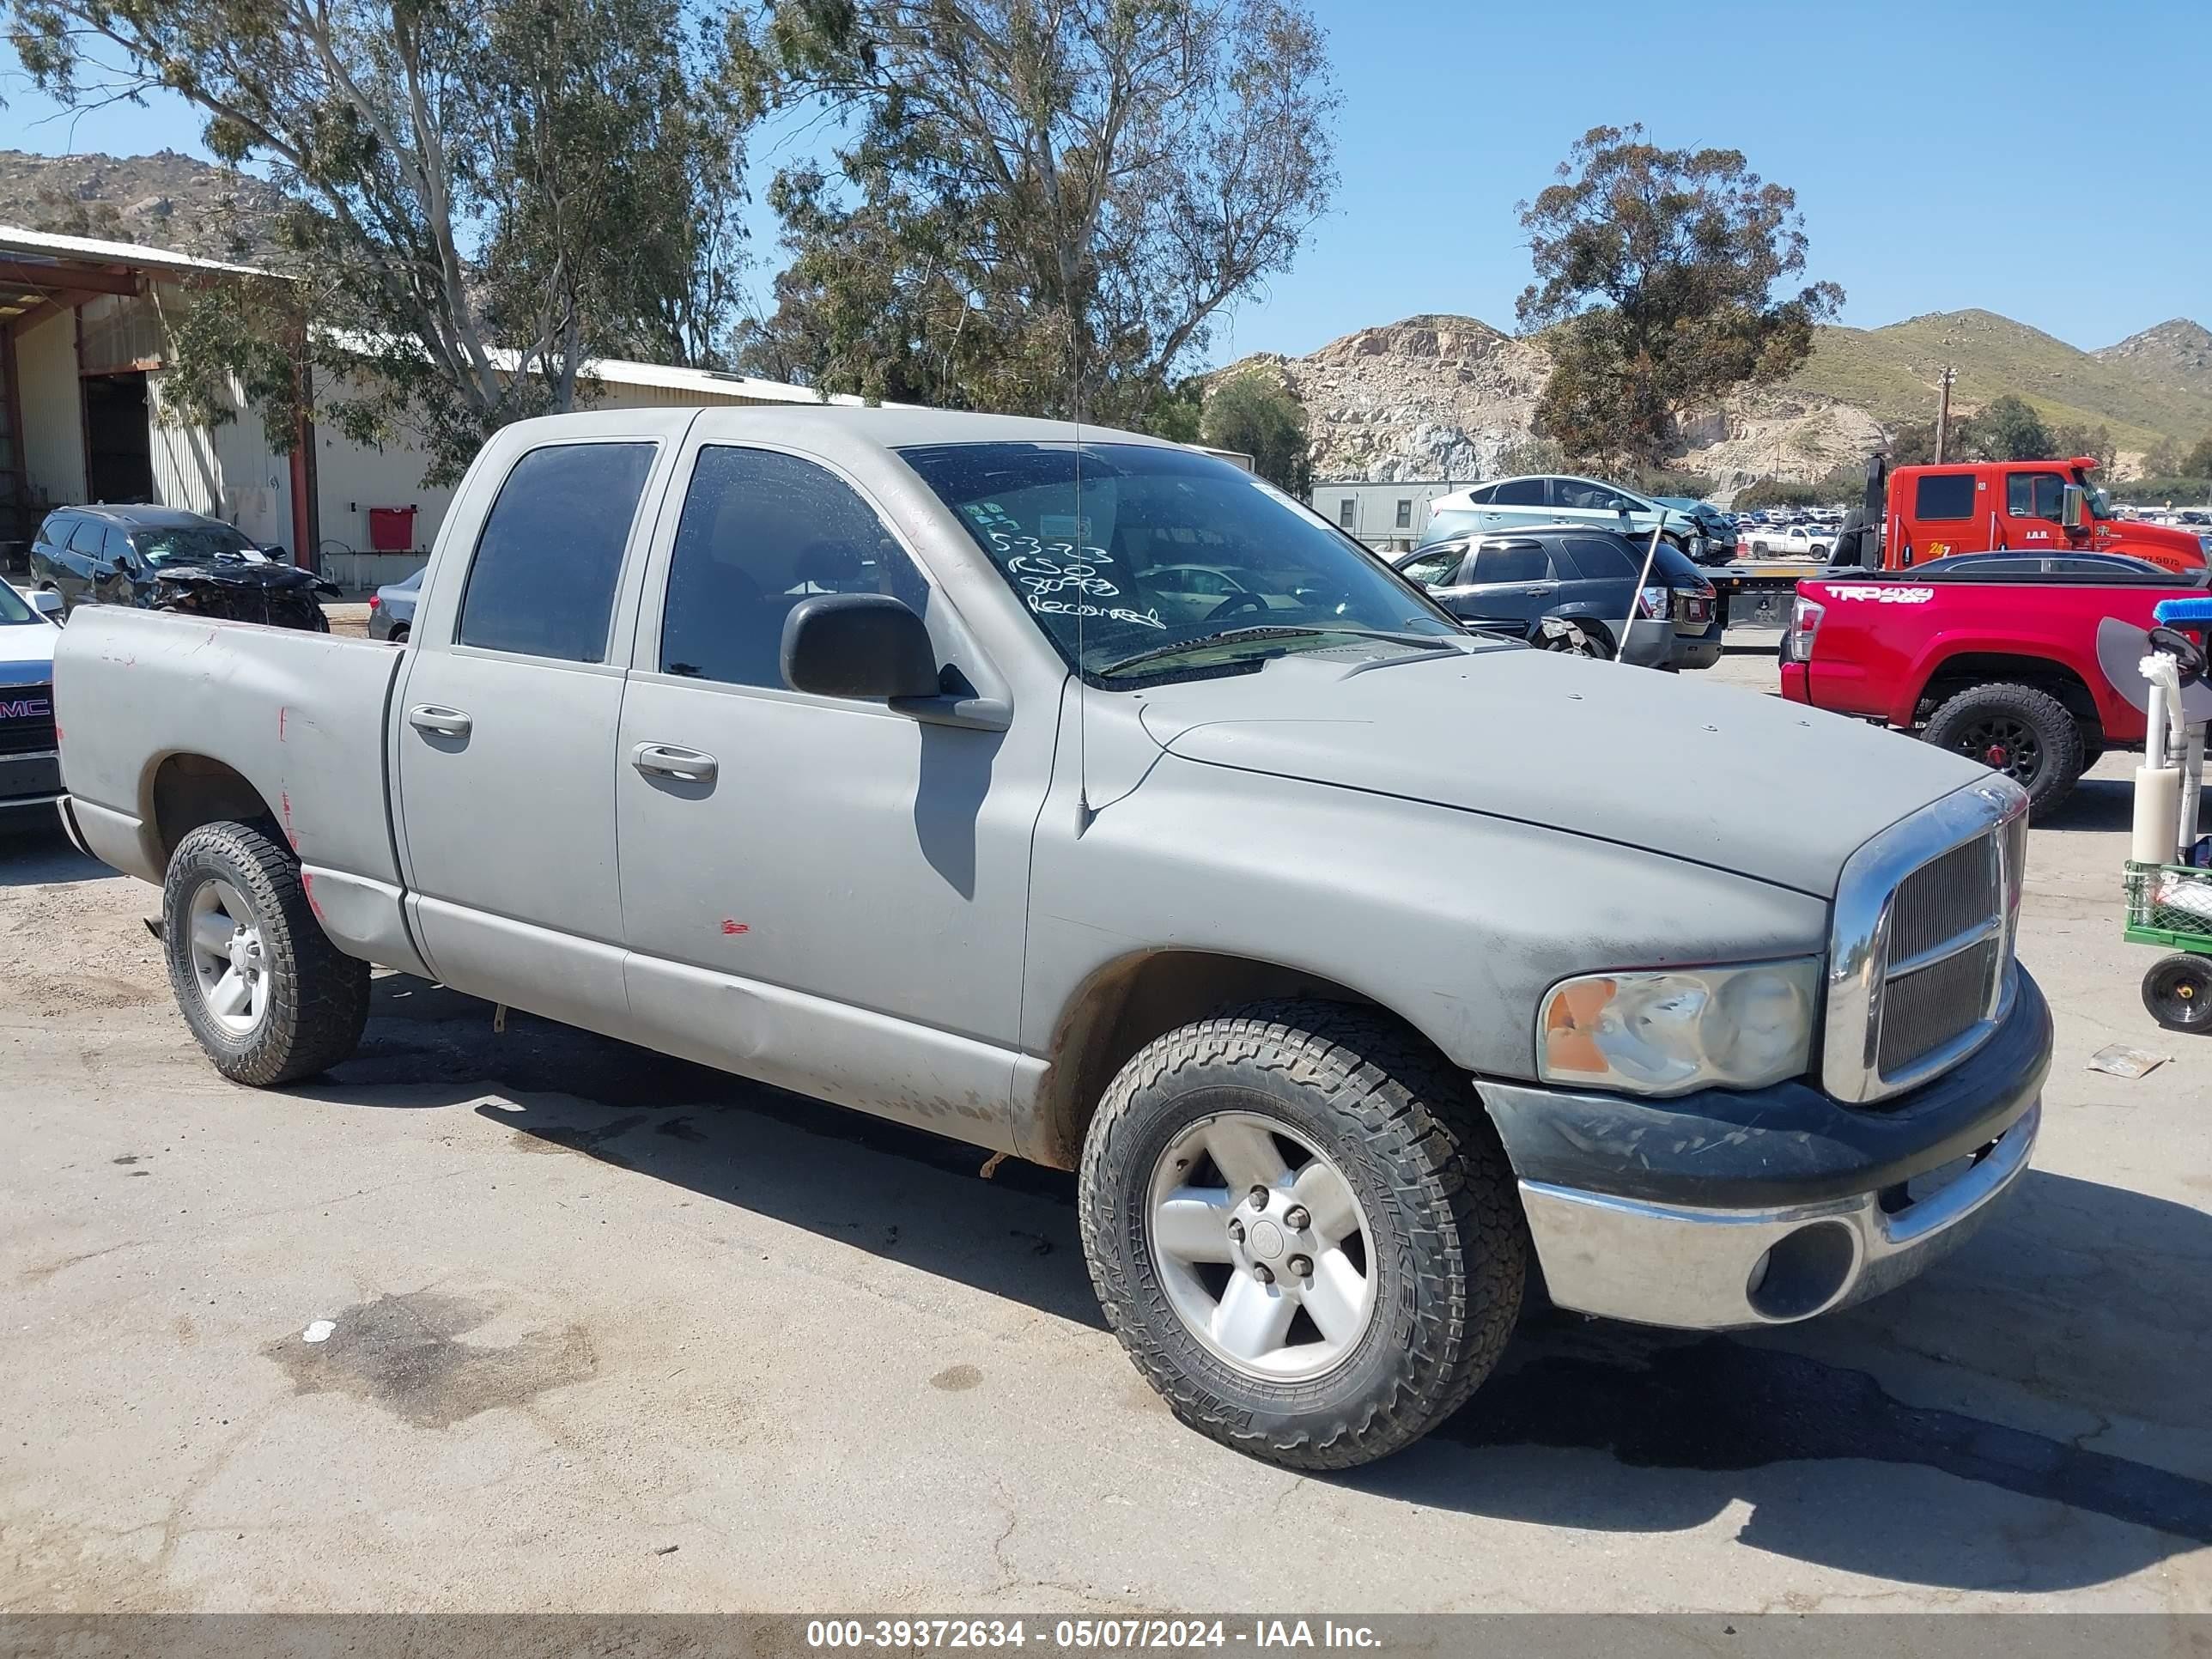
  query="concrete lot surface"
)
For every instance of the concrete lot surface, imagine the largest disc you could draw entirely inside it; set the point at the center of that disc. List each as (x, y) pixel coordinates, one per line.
(610, 1332)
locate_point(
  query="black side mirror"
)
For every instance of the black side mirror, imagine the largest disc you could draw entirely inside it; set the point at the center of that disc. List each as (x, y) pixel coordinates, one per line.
(122, 564)
(857, 645)
(274, 552)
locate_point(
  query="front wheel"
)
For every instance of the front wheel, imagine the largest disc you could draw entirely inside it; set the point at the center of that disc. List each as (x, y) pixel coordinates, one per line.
(2025, 733)
(264, 991)
(2178, 992)
(1303, 1230)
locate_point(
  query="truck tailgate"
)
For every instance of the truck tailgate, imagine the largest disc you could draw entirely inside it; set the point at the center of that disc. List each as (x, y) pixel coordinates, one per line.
(146, 700)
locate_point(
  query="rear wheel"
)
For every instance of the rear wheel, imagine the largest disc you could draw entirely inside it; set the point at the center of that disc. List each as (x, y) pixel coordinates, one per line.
(1303, 1230)
(268, 995)
(2026, 734)
(2177, 991)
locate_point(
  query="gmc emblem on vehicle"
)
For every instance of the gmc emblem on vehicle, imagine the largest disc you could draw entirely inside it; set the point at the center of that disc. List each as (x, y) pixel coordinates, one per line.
(28, 709)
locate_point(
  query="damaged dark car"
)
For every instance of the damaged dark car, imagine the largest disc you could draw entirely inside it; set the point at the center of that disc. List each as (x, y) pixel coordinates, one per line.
(164, 558)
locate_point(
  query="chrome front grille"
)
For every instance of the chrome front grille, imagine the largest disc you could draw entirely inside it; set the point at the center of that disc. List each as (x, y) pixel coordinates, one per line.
(1920, 962)
(1936, 1004)
(1943, 898)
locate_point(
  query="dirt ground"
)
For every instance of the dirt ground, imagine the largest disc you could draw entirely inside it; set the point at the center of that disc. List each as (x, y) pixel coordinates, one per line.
(610, 1332)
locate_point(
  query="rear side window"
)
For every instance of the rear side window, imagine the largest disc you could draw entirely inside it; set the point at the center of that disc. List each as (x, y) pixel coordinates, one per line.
(543, 581)
(90, 532)
(1944, 495)
(1600, 559)
(1512, 561)
(1519, 492)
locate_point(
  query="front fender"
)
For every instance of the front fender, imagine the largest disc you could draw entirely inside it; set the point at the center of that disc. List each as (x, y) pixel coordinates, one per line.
(1456, 921)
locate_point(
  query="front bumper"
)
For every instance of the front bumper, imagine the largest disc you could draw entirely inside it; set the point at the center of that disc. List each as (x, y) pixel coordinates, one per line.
(1730, 1209)
(34, 779)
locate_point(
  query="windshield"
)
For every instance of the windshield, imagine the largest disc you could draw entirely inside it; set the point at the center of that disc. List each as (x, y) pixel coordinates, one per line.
(1165, 548)
(14, 608)
(190, 544)
(2095, 503)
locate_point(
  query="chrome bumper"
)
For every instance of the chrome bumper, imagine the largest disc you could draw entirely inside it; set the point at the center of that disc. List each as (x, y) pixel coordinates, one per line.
(1701, 1269)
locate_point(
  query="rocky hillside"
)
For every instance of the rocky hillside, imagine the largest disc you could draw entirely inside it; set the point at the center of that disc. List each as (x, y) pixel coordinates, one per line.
(2178, 350)
(163, 200)
(1440, 397)
(1427, 397)
(2142, 390)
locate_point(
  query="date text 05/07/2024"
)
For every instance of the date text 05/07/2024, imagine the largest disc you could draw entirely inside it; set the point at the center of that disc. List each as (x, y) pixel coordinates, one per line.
(1086, 1635)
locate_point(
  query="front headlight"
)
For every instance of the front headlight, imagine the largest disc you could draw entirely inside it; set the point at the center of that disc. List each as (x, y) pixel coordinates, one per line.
(1667, 1031)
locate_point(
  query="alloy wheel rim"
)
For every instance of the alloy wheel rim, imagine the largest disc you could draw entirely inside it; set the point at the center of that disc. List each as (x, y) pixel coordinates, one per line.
(230, 963)
(2004, 745)
(1264, 1251)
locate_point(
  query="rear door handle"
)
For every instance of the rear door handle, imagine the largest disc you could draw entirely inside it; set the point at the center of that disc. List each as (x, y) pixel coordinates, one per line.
(443, 722)
(665, 760)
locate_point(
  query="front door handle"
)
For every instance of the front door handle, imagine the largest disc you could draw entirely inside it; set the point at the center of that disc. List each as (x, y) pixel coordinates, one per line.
(665, 760)
(441, 722)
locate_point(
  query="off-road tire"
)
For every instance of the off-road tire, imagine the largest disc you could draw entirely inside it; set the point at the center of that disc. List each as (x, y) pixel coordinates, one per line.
(1450, 1244)
(2054, 728)
(319, 996)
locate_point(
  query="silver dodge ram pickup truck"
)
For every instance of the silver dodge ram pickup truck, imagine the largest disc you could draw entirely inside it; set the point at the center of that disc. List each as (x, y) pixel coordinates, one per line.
(1081, 797)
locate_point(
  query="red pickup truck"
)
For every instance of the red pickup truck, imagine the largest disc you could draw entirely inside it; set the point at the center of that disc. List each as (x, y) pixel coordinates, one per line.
(1996, 656)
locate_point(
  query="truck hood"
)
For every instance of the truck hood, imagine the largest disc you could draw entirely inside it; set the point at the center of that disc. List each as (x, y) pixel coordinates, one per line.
(27, 652)
(2170, 545)
(1713, 775)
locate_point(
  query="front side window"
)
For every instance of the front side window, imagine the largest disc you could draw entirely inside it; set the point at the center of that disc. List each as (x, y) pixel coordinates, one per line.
(13, 608)
(1585, 497)
(2034, 495)
(1100, 543)
(762, 530)
(1944, 495)
(1433, 570)
(115, 549)
(543, 580)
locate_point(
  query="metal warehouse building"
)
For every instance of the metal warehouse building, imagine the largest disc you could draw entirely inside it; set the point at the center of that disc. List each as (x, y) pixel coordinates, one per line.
(81, 339)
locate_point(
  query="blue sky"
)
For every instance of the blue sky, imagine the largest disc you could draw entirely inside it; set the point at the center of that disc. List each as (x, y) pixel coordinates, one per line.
(1969, 169)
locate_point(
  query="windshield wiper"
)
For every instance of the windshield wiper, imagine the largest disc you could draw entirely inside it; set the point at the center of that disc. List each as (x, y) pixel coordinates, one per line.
(1268, 631)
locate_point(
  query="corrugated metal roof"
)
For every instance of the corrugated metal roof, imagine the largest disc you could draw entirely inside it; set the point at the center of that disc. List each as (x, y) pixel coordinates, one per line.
(20, 242)
(18, 239)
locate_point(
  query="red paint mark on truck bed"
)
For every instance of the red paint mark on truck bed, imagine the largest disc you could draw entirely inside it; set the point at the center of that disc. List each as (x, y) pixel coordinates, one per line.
(735, 928)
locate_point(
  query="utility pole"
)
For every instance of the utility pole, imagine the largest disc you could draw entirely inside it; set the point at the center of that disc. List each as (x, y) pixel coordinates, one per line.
(1944, 415)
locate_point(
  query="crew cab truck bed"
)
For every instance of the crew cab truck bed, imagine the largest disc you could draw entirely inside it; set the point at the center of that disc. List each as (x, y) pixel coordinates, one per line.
(2016, 672)
(912, 761)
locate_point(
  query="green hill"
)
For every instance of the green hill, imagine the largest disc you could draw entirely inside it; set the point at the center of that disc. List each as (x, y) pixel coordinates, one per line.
(1892, 373)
